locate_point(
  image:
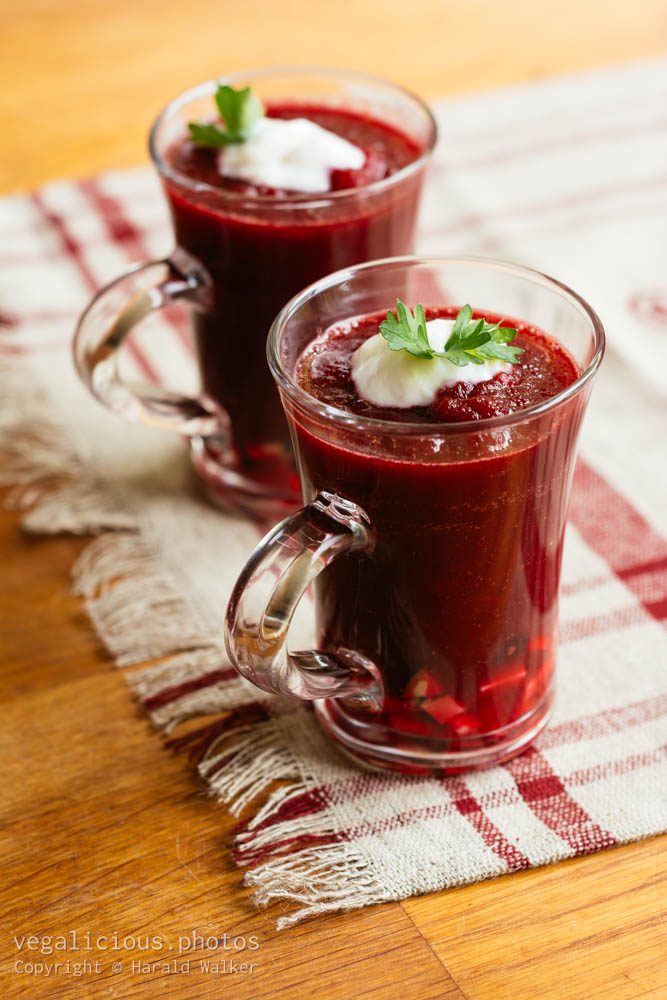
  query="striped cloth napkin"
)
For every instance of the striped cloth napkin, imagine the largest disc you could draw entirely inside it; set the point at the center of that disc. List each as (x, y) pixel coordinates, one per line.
(569, 176)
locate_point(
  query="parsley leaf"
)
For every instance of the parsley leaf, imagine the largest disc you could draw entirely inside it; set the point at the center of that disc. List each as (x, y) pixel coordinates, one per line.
(238, 109)
(405, 332)
(472, 341)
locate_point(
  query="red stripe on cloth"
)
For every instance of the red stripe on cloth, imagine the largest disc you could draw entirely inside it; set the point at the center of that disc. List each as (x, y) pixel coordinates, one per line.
(119, 229)
(519, 151)
(589, 727)
(166, 695)
(13, 320)
(657, 609)
(283, 848)
(588, 775)
(199, 741)
(639, 569)
(118, 235)
(476, 220)
(649, 580)
(75, 252)
(123, 232)
(14, 342)
(318, 799)
(651, 576)
(584, 628)
(614, 720)
(547, 797)
(502, 797)
(469, 807)
(306, 804)
(584, 115)
(494, 240)
(46, 255)
(584, 583)
(18, 350)
(73, 248)
(612, 527)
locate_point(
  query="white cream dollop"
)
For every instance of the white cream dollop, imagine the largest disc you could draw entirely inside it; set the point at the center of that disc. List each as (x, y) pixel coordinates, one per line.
(395, 378)
(293, 154)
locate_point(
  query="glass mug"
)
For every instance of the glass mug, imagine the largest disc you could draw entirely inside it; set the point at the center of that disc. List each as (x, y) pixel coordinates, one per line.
(434, 549)
(238, 259)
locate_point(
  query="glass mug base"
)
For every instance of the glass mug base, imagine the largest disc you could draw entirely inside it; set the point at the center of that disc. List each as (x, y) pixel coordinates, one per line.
(268, 492)
(378, 749)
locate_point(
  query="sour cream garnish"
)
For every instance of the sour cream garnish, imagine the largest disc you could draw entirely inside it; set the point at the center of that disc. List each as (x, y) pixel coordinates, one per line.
(395, 378)
(294, 154)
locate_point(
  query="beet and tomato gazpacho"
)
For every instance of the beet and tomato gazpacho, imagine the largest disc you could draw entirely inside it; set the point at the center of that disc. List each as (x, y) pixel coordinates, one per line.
(457, 603)
(261, 244)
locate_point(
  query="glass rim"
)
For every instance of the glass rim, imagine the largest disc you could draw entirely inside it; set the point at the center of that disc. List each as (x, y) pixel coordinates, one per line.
(284, 379)
(309, 200)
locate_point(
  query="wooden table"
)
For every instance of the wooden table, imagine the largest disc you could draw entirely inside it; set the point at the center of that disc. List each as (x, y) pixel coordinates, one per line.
(106, 833)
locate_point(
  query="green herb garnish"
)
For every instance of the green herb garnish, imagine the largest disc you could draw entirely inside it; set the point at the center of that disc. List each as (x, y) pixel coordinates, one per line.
(239, 110)
(472, 341)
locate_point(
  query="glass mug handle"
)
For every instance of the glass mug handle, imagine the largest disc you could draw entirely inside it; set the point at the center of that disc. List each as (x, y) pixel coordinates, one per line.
(108, 320)
(268, 591)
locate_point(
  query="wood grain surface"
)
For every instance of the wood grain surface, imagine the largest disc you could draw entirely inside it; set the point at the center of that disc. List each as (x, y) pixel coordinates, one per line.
(84, 79)
(105, 833)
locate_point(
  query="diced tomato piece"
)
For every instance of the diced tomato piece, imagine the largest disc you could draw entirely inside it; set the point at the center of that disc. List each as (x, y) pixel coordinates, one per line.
(442, 709)
(402, 717)
(497, 709)
(510, 677)
(539, 643)
(467, 724)
(530, 692)
(499, 695)
(528, 699)
(535, 687)
(373, 169)
(423, 685)
(455, 409)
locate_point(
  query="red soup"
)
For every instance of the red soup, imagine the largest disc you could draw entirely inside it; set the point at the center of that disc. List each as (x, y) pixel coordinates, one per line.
(261, 251)
(457, 603)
